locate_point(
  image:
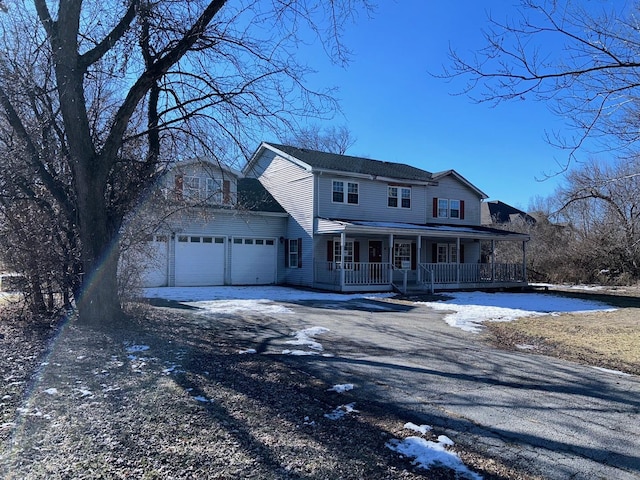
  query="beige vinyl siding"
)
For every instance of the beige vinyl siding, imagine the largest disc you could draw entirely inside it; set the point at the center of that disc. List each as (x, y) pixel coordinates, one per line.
(451, 189)
(372, 201)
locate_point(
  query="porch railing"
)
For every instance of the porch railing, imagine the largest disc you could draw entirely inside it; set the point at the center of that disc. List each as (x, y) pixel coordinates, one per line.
(355, 273)
(367, 273)
(472, 272)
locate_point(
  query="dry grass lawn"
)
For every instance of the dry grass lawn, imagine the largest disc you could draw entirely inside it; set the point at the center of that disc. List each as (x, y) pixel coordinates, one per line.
(605, 339)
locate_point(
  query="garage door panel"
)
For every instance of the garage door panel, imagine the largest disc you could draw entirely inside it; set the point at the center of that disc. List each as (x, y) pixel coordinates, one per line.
(199, 260)
(253, 261)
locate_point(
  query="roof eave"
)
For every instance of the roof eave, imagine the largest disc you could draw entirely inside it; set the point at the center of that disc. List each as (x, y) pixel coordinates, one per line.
(349, 228)
(368, 176)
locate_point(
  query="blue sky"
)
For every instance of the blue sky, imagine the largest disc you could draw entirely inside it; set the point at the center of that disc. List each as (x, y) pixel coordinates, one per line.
(397, 111)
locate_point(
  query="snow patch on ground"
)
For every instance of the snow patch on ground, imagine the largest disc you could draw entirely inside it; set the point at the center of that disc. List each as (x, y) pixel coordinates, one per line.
(305, 338)
(341, 411)
(470, 309)
(341, 388)
(615, 372)
(427, 454)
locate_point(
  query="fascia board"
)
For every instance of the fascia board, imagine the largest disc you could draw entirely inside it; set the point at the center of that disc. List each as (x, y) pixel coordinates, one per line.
(365, 176)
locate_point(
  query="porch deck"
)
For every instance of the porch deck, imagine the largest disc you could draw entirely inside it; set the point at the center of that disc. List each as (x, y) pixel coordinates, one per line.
(380, 277)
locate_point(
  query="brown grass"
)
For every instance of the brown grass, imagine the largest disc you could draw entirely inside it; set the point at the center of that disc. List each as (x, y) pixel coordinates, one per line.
(605, 339)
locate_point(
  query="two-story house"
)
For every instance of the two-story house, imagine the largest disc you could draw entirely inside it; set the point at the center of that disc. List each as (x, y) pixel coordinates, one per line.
(322, 220)
(357, 224)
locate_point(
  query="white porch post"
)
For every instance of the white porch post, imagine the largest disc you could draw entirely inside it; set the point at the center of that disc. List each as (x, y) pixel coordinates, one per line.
(493, 261)
(390, 258)
(458, 260)
(342, 244)
(418, 260)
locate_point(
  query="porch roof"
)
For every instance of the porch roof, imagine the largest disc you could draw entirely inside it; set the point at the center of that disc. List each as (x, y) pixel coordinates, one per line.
(335, 226)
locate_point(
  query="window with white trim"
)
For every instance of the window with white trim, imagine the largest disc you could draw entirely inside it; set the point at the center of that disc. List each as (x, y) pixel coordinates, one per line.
(443, 208)
(454, 208)
(214, 190)
(402, 254)
(447, 253)
(399, 197)
(405, 200)
(448, 208)
(218, 190)
(392, 197)
(293, 253)
(338, 192)
(348, 253)
(191, 188)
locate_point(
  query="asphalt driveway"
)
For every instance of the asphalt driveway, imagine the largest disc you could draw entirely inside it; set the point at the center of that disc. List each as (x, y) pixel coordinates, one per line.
(555, 418)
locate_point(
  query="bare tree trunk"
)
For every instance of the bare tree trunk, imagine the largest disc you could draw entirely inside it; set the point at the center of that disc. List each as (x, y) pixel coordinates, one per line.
(98, 303)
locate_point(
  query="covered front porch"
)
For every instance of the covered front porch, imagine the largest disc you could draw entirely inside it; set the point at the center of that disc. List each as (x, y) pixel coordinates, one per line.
(370, 256)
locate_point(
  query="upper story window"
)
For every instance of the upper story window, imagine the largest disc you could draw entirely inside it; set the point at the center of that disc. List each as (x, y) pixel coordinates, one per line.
(210, 190)
(340, 188)
(399, 197)
(218, 190)
(191, 188)
(454, 208)
(447, 208)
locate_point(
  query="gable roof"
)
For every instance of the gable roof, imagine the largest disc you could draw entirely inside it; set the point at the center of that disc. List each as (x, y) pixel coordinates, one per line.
(254, 197)
(496, 211)
(315, 160)
(461, 179)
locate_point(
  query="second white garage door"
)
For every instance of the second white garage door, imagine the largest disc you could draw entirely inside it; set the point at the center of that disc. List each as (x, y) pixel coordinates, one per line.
(253, 261)
(199, 260)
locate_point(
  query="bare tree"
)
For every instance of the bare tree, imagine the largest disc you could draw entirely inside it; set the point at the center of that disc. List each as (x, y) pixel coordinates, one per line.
(581, 58)
(98, 96)
(330, 139)
(602, 203)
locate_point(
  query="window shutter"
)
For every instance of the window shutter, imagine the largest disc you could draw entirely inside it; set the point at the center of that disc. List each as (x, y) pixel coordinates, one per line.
(226, 191)
(299, 253)
(356, 252)
(414, 260)
(286, 252)
(435, 207)
(461, 209)
(179, 183)
(330, 251)
(461, 253)
(434, 253)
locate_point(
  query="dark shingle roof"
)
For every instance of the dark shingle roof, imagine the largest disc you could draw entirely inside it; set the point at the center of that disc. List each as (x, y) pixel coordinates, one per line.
(346, 163)
(253, 196)
(495, 211)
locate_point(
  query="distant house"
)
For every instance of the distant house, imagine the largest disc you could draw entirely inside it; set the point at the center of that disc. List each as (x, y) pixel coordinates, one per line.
(333, 222)
(497, 212)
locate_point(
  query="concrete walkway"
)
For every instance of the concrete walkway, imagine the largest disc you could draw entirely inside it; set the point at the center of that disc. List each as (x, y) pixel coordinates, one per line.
(553, 418)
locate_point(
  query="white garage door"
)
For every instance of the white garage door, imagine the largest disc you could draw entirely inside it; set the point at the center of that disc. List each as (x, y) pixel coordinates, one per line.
(154, 260)
(253, 261)
(199, 260)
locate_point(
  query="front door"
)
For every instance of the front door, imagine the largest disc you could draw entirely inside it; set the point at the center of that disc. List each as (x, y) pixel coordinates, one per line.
(375, 251)
(375, 261)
